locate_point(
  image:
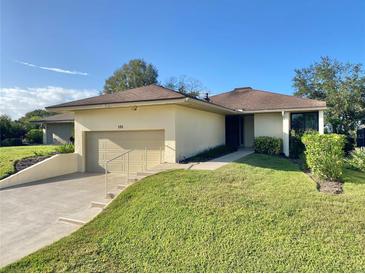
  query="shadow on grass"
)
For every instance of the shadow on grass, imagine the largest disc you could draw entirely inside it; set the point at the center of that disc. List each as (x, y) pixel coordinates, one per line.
(353, 177)
(267, 161)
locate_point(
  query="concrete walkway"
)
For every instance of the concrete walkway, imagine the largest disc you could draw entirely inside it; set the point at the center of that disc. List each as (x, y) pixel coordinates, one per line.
(222, 161)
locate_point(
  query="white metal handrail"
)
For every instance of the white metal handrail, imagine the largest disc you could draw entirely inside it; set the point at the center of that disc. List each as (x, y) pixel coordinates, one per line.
(106, 168)
(126, 163)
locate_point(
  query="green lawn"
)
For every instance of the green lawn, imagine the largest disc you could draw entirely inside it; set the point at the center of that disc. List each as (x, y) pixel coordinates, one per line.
(8, 155)
(260, 215)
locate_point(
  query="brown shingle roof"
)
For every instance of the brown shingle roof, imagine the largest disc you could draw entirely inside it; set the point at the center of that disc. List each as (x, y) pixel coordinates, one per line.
(63, 117)
(146, 93)
(249, 99)
(246, 99)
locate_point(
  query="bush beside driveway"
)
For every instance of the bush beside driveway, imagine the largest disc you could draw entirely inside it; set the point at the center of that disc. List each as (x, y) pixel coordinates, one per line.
(261, 214)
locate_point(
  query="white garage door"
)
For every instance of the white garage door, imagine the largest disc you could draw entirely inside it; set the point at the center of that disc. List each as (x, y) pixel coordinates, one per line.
(147, 148)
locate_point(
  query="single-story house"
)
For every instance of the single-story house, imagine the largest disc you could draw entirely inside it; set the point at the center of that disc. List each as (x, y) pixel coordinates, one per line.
(170, 126)
(57, 129)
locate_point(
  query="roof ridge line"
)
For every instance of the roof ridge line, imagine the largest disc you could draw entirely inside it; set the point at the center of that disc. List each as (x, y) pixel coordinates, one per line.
(265, 91)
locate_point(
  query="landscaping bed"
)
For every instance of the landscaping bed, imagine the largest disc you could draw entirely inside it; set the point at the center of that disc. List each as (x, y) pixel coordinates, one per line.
(29, 161)
(332, 187)
(210, 154)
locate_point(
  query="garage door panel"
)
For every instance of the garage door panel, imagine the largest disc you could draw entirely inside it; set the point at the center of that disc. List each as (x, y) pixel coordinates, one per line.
(103, 146)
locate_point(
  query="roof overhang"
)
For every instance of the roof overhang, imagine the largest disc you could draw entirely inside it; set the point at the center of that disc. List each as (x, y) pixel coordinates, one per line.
(189, 102)
(304, 109)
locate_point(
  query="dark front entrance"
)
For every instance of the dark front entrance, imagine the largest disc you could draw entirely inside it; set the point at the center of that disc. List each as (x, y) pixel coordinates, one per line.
(240, 130)
(233, 125)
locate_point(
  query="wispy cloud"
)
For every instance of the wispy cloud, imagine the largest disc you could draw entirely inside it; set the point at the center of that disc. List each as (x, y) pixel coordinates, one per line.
(16, 101)
(60, 70)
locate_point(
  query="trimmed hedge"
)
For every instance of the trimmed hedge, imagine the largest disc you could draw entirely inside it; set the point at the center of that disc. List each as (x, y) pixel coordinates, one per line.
(268, 145)
(325, 155)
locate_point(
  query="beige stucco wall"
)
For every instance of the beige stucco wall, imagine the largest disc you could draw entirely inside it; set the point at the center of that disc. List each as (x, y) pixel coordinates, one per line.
(130, 118)
(197, 131)
(269, 124)
(57, 165)
(187, 131)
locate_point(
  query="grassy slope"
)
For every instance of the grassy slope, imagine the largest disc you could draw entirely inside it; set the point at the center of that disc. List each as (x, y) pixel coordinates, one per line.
(262, 215)
(8, 155)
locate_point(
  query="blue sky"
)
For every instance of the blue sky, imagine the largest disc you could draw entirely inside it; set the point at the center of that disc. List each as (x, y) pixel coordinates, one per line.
(224, 44)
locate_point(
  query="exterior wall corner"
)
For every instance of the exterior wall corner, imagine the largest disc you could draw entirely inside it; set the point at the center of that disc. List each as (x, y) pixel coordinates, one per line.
(286, 129)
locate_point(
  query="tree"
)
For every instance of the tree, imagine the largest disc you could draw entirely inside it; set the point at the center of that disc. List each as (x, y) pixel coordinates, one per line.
(11, 132)
(34, 136)
(341, 85)
(186, 85)
(5, 127)
(136, 73)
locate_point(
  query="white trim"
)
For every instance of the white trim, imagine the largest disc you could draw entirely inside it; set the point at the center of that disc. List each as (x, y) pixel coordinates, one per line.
(286, 130)
(321, 122)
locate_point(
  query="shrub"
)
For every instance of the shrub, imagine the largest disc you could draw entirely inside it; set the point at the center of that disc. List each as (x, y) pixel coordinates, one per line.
(356, 159)
(34, 136)
(66, 148)
(11, 142)
(324, 154)
(268, 145)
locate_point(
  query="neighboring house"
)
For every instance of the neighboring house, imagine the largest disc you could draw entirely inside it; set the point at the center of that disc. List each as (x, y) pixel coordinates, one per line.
(172, 126)
(57, 129)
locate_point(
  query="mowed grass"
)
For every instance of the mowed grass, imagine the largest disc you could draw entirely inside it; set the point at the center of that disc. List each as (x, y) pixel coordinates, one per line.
(8, 155)
(259, 215)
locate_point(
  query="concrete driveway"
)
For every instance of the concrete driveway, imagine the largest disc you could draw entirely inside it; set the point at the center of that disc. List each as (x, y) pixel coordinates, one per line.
(29, 213)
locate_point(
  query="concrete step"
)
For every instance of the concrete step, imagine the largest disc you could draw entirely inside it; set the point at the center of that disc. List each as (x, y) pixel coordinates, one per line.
(81, 217)
(71, 221)
(110, 195)
(135, 178)
(123, 186)
(98, 204)
(147, 173)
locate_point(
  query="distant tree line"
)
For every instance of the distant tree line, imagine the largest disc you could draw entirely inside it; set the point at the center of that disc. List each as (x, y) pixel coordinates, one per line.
(22, 131)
